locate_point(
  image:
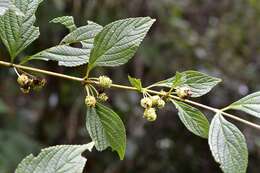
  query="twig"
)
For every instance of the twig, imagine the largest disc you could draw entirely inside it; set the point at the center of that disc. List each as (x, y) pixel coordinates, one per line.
(82, 80)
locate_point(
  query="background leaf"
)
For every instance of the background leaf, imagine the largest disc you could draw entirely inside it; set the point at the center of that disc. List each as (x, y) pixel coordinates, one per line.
(228, 145)
(118, 41)
(62, 158)
(106, 129)
(249, 104)
(193, 119)
(67, 21)
(16, 31)
(199, 83)
(137, 83)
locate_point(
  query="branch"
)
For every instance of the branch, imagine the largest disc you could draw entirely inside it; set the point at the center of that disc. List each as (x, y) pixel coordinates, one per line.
(83, 81)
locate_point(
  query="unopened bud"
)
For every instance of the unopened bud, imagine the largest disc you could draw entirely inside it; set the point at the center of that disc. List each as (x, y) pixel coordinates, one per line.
(105, 81)
(155, 99)
(150, 114)
(90, 101)
(183, 92)
(160, 103)
(146, 102)
(103, 97)
(23, 80)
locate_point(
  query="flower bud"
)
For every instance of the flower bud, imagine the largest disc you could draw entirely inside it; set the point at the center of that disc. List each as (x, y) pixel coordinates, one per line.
(103, 97)
(160, 103)
(90, 101)
(105, 81)
(150, 114)
(155, 99)
(38, 83)
(24, 80)
(183, 92)
(146, 102)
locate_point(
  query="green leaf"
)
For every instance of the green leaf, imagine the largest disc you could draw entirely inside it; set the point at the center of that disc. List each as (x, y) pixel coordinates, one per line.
(106, 129)
(193, 119)
(178, 79)
(84, 34)
(66, 55)
(199, 83)
(17, 31)
(62, 158)
(118, 41)
(228, 145)
(70, 56)
(5, 5)
(67, 21)
(137, 83)
(249, 104)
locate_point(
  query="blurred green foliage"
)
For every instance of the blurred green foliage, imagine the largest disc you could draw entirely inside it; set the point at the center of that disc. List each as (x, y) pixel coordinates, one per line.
(220, 38)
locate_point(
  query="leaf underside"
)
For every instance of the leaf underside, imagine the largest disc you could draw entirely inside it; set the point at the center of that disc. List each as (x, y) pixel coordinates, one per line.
(70, 56)
(67, 21)
(199, 83)
(249, 104)
(57, 159)
(228, 145)
(193, 119)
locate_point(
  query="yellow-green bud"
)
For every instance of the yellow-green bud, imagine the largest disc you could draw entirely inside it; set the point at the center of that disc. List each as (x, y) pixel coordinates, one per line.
(103, 97)
(146, 102)
(23, 80)
(183, 92)
(160, 103)
(155, 99)
(105, 81)
(38, 83)
(90, 101)
(150, 114)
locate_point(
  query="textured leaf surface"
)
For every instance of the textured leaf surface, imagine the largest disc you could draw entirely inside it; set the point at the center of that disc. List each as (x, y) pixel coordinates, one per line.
(65, 55)
(228, 145)
(193, 119)
(118, 41)
(106, 129)
(249, 104)
(84, 34)
(135, 83)
(17, 31)
(6, 5)
(199, 83)
(57, 159)
(70, 56)
(179, 77)
(67, 21)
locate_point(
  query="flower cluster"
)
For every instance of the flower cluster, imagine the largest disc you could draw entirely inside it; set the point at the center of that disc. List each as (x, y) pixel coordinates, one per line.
(27, 83)
(149, 103)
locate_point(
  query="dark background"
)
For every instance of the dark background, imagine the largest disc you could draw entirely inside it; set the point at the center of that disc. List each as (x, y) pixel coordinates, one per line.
(220, 38)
